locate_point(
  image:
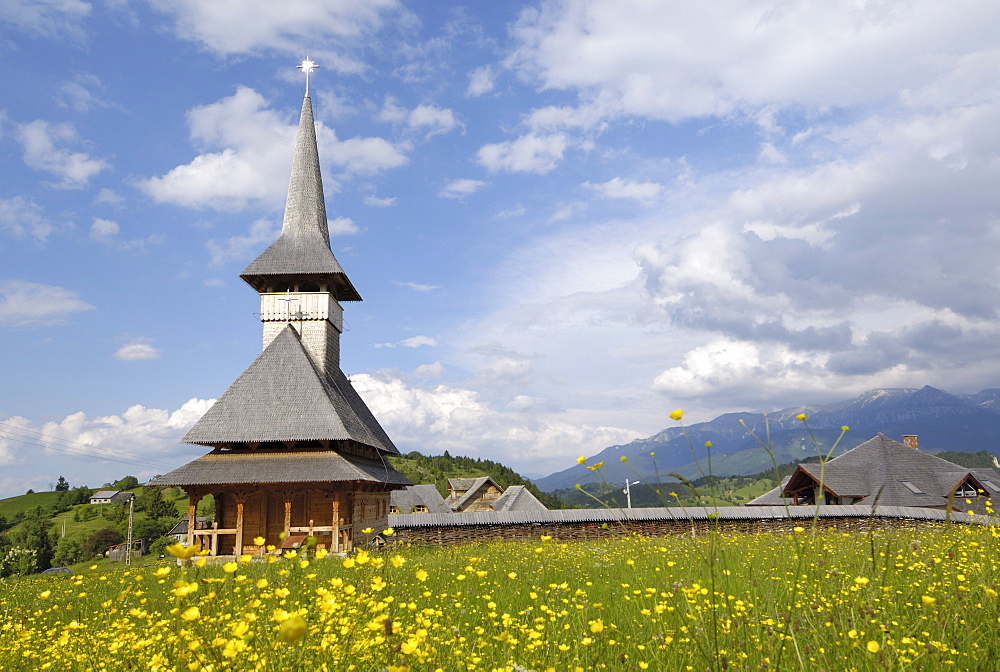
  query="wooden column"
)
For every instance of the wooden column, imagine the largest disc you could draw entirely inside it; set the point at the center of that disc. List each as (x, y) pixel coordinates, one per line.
(192, 516)
(335, 534)
(288, 513)
(240, 500)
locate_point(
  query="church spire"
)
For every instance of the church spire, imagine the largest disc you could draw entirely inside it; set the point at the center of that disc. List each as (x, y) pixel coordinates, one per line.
(302, 255)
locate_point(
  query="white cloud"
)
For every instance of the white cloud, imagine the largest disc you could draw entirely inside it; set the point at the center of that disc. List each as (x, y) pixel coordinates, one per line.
(142, 441)
(412, 342)
(29, 304)
(255, 145)
(46, 18)
(528, 154)
(376, 202)
(247, 26)
(461, 188)
(444, 417)
(39, 140)
(20, 217)
(621, 188)
(103, 230)
(79, 95)
(341, 226)
(138, 351)
(482, 80)
(108, 197)
(419, 287)
(262, 233)
(667, 61)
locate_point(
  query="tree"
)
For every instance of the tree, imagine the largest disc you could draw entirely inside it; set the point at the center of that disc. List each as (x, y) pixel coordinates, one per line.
(152, 502)
(62, 485)
(67, 552)
(99, 541)
(34, 535)
(127, 483)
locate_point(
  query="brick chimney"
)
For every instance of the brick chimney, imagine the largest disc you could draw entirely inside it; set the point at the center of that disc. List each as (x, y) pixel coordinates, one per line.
(910, 440)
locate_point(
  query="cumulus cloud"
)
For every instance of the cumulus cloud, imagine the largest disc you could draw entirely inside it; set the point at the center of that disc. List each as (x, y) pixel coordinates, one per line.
(254, 146)
(424, 118)
(141, 440)
(481, 81)
(46, 18)
(20, 217)
(30, 304)
(412, 342)
(376, 202)
(621, 188)
(262, 233)
(81, 94)
(528, 154)
(461, 188)
(41, 142)
(666, 61)
(136, 351)
(230, 27)
(102, 230)
(445, 417)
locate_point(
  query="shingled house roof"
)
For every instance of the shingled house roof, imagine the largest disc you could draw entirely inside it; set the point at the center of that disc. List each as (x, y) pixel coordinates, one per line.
(414, 497)
(302, 251)
(280, 466)
(283, 397)
(465, 489)
(517, 498)
(891, 472)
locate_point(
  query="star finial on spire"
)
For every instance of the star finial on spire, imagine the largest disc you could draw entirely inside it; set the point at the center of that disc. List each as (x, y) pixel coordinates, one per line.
(307, 67)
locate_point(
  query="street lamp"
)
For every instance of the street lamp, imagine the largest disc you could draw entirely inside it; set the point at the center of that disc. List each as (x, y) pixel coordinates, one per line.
(628, 491)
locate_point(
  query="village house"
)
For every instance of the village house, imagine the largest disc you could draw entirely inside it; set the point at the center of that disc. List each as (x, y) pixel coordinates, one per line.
(111, 497)
(886, 473)
(423, 498)
(295, 450)
(472, 494)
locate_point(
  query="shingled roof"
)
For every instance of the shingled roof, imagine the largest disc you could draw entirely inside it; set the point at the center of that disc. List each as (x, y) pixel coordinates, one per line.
(892, 472)
(302, 251)
(314, 466)
(283, 397)
(414, 496)
(517, 498)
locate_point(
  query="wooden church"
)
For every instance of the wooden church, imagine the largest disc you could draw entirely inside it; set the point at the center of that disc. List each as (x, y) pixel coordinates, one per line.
(295, 450)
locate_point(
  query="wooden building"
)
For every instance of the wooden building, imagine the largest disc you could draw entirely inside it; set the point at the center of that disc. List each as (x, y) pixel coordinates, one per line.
(295, 450)
(888, 473)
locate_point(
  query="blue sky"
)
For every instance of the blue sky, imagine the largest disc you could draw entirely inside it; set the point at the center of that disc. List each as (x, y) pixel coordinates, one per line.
(566, 218)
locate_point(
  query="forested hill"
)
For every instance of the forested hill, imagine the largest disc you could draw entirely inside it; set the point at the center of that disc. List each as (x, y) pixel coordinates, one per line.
(437, 469)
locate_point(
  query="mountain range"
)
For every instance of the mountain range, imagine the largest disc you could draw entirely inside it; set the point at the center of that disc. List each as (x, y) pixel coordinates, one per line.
(941, 421)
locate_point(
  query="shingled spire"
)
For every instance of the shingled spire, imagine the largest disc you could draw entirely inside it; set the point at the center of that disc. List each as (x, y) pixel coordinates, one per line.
(302, 256)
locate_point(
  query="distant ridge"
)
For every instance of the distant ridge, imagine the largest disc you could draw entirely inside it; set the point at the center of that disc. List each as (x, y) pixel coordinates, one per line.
(942, 421)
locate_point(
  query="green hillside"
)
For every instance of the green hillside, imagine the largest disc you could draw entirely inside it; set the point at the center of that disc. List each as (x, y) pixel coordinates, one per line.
(12, 507)
(437, 469)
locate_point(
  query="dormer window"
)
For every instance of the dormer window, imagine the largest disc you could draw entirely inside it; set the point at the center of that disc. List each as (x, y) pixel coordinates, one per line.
(967, 489)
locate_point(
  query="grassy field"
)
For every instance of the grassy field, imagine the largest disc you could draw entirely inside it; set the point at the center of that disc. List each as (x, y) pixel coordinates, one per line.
(12, 506)
(905, 600)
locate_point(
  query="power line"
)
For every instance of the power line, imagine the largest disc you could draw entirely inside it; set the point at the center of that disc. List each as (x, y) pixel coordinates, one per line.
(37, 439)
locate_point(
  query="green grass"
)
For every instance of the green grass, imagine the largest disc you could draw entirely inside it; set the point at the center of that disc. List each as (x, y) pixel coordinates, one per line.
(12, 506)
(921, 599)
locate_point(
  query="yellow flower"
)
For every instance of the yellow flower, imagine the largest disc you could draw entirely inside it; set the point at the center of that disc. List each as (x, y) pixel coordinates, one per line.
(597, 626)
(191, 614)
(623, 458)
(799, 530)
(421, 575)
(245, 559)
(677, 415)
(262, 583)
(200, 561)
(183, 552)
(397, 560)
(388, 531)
(44, 594)
(258, 541)
(293, 628)
(597, 466)
(321, 553)
(367, 530)
(546, 537)
(801, 417)
(230, 567)
(873, 646)
(581, 460)
(928, 600)
(990, 592)
(861, 581)
(160, 572)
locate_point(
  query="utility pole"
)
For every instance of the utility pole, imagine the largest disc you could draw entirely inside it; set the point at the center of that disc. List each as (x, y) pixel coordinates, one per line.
(128, 542)
(628, 491)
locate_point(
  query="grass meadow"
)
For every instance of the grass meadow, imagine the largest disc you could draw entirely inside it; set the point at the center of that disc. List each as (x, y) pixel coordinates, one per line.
(921, 599)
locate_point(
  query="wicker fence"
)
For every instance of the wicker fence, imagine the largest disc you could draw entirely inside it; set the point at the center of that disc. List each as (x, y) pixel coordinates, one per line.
(455, 528)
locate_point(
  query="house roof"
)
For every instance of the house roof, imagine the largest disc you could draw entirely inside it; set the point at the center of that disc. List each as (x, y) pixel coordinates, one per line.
(282, 396)
(303, 248)
(518, 498)
(279, 466)
(464, 489)
(887, 473)
(104, 494)
(425, 495)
